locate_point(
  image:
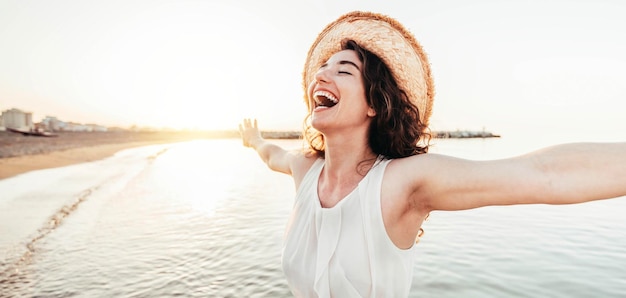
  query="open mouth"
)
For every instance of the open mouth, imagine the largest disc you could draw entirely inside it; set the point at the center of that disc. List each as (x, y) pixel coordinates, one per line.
(324, 99)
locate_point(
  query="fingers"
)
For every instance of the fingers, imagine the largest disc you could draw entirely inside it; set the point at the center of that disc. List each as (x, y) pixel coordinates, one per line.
(249, 123)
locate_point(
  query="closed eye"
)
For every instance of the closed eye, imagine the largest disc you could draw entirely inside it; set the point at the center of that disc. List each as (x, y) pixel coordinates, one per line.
(344, 72)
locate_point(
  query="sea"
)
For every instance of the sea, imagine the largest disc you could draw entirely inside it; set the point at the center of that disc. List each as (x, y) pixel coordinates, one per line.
(205, 218)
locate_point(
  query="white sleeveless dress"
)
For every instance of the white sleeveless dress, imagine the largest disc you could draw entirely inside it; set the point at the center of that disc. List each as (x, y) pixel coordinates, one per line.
(344, 251)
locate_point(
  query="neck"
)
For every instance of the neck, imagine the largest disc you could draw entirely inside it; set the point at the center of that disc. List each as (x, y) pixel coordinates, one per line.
(347, 155)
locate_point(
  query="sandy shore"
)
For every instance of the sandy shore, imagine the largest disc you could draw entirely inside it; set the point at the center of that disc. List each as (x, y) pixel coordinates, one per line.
(20, 154)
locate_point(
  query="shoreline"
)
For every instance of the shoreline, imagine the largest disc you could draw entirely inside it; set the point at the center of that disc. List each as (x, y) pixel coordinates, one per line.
(20, 154)
(16, 165)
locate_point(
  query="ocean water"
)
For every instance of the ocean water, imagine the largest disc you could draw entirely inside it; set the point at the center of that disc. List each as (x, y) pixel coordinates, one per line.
(205, 219)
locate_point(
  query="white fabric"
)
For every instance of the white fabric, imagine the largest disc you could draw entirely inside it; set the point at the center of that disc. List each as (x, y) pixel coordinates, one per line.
(344, 251)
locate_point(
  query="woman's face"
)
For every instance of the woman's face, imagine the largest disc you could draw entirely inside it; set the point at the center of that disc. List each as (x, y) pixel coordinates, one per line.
(337, 95)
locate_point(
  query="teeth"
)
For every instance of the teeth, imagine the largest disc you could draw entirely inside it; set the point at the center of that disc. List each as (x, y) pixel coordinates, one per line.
(328, 95)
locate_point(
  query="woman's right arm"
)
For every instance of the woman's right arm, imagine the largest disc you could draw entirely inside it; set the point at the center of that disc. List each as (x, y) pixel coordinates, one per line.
(276, 158)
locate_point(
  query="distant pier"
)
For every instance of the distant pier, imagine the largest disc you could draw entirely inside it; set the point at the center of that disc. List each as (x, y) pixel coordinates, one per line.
(463, 134)
(457, 134)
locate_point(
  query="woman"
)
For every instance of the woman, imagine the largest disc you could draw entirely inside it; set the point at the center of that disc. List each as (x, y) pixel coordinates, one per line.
(366, 184)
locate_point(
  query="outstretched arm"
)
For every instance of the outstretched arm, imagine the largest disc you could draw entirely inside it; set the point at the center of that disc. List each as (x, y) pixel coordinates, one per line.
(276, 158)
(563, 174)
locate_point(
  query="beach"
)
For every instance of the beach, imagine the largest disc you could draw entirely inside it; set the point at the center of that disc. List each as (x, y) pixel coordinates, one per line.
(20, 154)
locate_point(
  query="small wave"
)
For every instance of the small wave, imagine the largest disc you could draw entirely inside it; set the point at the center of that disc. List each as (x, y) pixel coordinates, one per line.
(154, 156)
(14, 268)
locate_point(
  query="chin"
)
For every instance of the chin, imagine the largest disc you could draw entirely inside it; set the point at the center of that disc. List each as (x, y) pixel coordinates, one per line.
(318, 124)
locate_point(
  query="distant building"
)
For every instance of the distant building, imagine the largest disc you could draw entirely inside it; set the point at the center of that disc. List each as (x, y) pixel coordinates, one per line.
(73, 126)
(17, 119)
(96, 127)
(51, 123)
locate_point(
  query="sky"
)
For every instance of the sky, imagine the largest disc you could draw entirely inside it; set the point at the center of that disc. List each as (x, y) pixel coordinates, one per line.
(509, 67)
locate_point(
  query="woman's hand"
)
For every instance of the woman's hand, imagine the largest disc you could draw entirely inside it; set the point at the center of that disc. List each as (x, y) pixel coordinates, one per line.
(276, 158)
(250, 134)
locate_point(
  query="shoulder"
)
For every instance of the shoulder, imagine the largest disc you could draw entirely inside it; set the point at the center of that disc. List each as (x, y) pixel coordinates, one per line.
(411, 179)
(301, 163)
(421, 166)
(412, 167)
(403, 175)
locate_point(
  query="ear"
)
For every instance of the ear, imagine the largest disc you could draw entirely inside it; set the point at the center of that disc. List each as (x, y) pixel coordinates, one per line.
(371, 112)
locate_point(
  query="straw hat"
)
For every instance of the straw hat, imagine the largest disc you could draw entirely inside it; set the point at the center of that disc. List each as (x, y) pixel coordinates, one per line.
(387, 39)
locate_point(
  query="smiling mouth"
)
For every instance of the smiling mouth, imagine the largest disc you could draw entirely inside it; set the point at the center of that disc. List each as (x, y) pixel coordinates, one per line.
(324, 99)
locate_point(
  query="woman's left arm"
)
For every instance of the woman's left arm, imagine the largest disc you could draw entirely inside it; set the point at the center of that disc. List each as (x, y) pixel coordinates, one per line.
(562, 174)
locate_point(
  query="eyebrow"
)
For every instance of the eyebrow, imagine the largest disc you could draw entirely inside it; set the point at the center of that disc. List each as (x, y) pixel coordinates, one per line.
(343, 62)
(350, 63)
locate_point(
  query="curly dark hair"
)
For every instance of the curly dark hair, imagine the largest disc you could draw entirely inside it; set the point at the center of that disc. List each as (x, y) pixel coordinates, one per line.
(396, 131)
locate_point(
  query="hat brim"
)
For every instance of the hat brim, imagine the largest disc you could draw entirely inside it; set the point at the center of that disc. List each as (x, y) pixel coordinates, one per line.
(387, 39)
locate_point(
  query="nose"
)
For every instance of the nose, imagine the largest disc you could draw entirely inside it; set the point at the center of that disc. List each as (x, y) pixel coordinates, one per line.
(322, 75)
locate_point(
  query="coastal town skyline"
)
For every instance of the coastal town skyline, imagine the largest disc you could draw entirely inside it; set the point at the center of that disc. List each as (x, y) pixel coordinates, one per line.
(505, 67)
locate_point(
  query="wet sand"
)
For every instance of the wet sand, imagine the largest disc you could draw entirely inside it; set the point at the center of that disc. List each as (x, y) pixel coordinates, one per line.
(20, 154)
